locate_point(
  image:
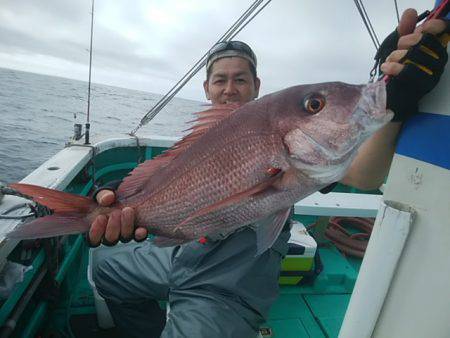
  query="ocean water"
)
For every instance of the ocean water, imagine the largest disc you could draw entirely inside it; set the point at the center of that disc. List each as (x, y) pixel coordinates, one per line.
(37, 113)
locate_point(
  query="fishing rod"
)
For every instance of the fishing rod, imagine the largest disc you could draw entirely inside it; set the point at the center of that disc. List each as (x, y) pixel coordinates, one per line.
(88, 124)
(235, 28)
(440, 11)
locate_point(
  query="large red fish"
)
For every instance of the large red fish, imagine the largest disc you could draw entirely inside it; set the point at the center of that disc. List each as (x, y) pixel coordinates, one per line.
(239, 165)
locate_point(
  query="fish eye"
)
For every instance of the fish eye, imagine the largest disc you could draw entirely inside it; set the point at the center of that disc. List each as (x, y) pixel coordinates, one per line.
(314, 103)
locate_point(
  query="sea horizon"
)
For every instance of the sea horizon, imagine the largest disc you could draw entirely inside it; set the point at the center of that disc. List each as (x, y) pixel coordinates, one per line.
(38, 111)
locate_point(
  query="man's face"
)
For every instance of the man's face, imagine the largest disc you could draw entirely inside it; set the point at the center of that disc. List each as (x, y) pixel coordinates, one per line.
(231, 81)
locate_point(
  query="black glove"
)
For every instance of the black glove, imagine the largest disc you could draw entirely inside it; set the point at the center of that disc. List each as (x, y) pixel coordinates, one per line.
(424, 65)
(386, 48)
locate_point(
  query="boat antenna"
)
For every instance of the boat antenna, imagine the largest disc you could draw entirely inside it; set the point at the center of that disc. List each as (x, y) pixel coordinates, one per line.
(88, 124)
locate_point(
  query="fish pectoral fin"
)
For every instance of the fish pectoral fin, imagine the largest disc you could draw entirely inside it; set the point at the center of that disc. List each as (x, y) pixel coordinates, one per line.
(233, 199)
(269, 229)
(288, 179)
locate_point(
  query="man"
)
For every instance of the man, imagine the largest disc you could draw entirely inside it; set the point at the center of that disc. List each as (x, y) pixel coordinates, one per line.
(220, 289)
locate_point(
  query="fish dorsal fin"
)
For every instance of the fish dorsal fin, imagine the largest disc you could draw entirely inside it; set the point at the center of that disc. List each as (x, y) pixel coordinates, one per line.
(207, 119)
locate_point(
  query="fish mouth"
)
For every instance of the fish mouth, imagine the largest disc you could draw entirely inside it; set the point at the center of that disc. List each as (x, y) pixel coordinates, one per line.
(370, 112)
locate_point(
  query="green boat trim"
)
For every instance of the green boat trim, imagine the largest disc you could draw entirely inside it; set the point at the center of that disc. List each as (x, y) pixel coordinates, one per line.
(313, 309)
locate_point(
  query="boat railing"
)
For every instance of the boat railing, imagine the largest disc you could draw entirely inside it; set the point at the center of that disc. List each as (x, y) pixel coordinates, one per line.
(62, 168)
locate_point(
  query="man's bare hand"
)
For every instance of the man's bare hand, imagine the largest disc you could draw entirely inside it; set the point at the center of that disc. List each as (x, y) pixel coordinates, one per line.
(118, 226)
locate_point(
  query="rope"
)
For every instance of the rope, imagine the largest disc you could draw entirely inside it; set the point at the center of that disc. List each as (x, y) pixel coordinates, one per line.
(362, 11)
(37, 209)
(350, 244)
(140, 156)
(235, 28)
(9, 191)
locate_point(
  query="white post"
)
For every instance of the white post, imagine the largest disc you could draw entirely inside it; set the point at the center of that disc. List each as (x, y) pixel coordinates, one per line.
(416, 302)
(383, 252)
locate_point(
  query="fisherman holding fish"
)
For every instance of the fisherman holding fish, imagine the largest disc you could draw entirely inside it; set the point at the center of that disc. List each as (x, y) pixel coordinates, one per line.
(225, 291)
(221, 280)
(221, 289)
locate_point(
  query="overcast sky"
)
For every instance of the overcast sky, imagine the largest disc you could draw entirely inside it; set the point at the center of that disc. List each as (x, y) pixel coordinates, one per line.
(149, 44)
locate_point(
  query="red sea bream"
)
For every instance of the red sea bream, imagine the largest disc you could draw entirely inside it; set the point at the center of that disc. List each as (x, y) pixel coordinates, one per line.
(239, 165)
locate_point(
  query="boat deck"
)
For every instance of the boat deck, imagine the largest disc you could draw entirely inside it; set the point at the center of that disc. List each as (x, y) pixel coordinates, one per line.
(66, 307)
(317, 310)
(300, 311)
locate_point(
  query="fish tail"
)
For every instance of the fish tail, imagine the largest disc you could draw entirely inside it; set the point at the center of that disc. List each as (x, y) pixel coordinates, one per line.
(57, 201)
(69, 216)
(51, 226)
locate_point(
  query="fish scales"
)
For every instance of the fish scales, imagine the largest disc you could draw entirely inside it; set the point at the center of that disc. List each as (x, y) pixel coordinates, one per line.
(211, 172)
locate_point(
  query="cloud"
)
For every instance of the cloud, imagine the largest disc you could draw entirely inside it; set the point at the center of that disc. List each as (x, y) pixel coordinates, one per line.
(149, 45)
